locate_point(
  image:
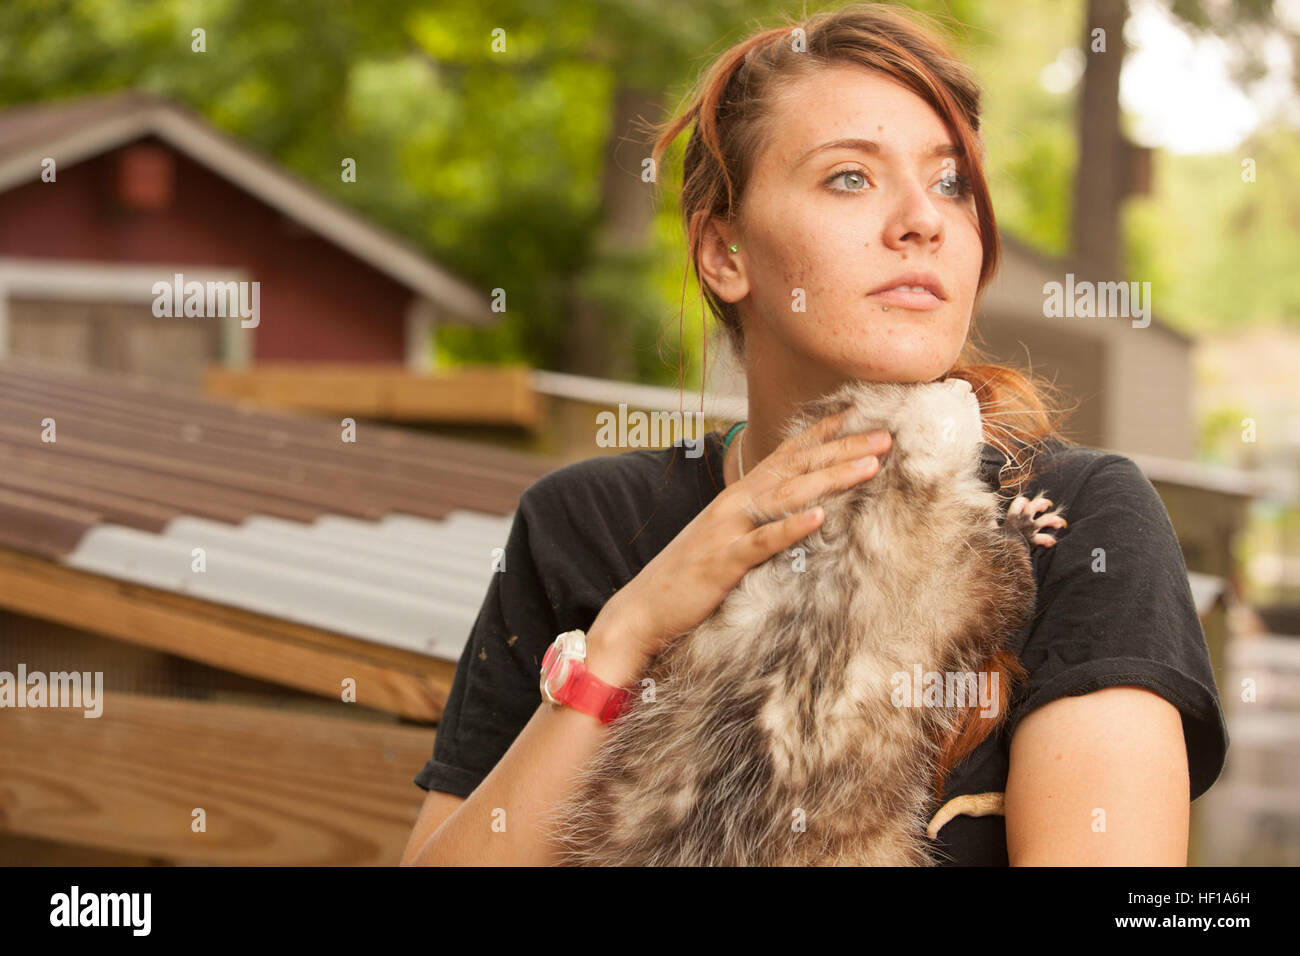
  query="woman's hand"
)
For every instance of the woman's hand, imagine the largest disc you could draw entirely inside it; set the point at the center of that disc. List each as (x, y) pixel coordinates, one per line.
(752, 519)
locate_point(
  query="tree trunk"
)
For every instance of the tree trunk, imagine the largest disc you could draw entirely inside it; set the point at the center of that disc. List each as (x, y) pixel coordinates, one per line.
(1101, 178)
(594, 340)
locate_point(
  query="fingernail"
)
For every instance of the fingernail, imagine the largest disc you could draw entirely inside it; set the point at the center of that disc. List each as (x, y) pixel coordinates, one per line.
(862, 464)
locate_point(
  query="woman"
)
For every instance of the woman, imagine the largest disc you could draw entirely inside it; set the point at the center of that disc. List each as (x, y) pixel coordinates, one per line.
(839, 216)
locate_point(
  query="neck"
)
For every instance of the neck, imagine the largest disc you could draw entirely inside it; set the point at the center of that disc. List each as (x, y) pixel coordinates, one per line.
(776, 390)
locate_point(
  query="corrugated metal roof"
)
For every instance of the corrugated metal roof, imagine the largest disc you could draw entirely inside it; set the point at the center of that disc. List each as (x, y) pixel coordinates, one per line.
(389, 538)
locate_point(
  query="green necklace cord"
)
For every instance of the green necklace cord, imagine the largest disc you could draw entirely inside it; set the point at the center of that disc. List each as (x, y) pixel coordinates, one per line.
(726, 442)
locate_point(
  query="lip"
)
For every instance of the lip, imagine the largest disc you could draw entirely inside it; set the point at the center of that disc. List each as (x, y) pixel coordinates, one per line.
(932, 299)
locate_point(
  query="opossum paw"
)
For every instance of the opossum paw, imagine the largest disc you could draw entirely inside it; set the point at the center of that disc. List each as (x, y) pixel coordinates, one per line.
(1024, 515)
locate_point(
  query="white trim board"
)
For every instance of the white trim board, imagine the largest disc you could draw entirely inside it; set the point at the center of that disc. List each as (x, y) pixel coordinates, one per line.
(421, 327)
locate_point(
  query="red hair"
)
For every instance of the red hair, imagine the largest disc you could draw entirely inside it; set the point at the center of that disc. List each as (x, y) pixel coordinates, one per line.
(731, 109)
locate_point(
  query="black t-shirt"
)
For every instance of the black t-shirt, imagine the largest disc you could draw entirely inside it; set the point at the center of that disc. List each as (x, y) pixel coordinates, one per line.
(583, 531)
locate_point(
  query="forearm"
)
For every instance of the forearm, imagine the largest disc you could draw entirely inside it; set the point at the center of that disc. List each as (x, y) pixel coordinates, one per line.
(502, 822)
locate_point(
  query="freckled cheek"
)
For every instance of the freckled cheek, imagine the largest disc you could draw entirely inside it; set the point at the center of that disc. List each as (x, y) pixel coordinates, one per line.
(798, 254)
(828, 274)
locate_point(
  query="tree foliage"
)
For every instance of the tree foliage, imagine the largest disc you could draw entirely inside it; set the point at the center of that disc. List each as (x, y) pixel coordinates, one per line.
(490, 161)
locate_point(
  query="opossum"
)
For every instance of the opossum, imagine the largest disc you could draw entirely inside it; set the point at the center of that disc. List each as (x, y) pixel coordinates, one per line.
(783, 730)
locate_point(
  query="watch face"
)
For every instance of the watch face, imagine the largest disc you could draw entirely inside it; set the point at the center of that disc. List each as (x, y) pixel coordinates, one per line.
(555, 671)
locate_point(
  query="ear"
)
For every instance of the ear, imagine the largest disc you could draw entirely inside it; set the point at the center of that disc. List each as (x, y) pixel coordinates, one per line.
(721, 268)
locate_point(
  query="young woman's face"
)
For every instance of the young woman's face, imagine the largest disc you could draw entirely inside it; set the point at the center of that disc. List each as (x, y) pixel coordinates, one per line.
(824, 227)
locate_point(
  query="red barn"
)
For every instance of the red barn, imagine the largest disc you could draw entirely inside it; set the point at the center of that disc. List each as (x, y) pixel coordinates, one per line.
(106, 201)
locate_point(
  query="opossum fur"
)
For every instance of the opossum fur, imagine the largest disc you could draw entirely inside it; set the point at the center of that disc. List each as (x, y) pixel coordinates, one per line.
(770, 734)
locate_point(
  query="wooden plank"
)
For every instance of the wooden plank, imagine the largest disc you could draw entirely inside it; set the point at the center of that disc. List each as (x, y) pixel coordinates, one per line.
(32, 851)
(481, 395)
(275, 788)
(64, 338)
(387, 678)
(127, 339)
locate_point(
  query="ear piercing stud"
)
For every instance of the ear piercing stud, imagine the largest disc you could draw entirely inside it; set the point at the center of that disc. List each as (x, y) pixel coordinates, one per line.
(733, 247)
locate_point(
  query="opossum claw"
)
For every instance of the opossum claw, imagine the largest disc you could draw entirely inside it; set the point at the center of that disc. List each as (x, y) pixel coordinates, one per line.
(1023, 516)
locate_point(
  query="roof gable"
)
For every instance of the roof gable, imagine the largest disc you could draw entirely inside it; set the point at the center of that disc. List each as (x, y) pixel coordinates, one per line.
(76, 130)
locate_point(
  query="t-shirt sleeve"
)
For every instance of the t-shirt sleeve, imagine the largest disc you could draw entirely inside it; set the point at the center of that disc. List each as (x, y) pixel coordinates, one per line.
(495, 689)
(1115, 608)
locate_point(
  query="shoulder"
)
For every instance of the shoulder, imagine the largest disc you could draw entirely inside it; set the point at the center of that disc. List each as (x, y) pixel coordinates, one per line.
(1118, 534)
(1086, 481)
(1069, 468)
(577, 483)
(626, 481)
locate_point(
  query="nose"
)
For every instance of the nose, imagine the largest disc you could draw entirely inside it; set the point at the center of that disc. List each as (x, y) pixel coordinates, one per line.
(914, 220)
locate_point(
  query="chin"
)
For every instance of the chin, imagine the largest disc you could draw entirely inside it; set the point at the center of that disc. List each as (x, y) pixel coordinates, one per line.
(901, 369)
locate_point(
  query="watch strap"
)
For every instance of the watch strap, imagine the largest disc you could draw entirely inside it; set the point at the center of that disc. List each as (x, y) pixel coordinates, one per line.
(586, 692)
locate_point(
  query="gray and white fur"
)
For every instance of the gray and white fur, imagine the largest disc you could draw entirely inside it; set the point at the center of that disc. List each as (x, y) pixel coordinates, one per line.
(770, 735)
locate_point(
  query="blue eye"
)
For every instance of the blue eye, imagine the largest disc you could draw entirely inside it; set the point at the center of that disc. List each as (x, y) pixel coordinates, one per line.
(848, 172)
(952, 180)
(961, 183)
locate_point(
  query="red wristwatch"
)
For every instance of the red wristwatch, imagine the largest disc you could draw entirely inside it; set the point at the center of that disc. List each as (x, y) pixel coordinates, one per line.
(566, 680)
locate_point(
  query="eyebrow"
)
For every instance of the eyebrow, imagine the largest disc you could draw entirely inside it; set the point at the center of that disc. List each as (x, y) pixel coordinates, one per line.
(875, 149)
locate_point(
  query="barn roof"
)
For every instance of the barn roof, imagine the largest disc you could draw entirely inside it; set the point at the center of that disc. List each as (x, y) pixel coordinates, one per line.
(389, 539)
(73, 130)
